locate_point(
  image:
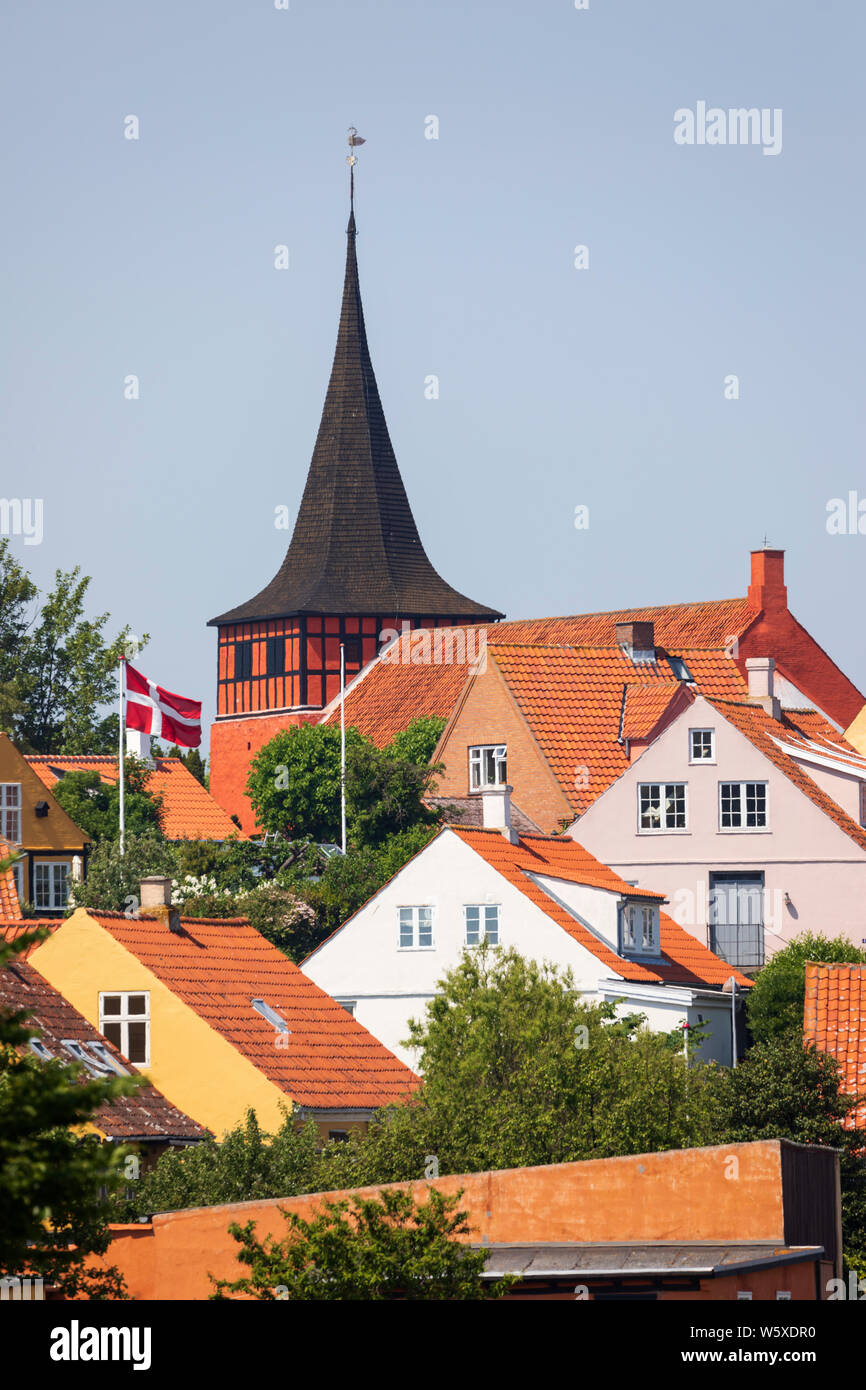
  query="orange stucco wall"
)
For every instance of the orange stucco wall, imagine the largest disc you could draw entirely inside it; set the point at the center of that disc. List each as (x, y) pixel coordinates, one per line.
(730, 1192)
(488, 714)
(233, 744)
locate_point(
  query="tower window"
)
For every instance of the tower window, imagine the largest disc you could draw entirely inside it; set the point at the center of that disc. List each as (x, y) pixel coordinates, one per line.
(243, 661)
(276, 656)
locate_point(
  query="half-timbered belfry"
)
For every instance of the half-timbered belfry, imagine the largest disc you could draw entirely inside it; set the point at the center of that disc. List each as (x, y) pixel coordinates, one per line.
(355, 568)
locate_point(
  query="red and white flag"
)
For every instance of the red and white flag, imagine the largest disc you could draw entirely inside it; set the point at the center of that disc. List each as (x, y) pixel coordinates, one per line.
(153, 710)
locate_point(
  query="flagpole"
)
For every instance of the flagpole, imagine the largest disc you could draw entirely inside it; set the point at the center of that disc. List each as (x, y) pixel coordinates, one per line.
(121, 751)
(343, 745)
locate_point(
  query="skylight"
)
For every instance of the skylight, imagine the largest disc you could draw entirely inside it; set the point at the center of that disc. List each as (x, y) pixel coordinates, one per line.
(271, 1015)
(679, 669)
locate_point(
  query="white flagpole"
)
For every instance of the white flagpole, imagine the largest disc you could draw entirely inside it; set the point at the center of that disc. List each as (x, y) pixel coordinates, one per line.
(121, 751)
(343, 745)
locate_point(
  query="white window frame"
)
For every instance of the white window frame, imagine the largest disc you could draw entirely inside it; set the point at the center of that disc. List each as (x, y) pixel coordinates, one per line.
(95, 1056)
(640, 929)
(482, 927)
(415, 909)
(53, 864)
(350, 1005)
(711, 757)
(10, 807)
(663, 829)
(476, 763)
(18, 875)
(124, 1018)
(745, 829)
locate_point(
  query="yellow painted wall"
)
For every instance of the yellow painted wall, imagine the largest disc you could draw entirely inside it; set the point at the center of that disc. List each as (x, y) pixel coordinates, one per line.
(856, 733)
(54, 832)
(196, 1068)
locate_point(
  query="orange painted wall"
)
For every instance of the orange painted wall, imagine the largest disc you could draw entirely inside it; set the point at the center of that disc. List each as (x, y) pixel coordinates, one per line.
(686, 1194)
(233, 744)
(488, 714)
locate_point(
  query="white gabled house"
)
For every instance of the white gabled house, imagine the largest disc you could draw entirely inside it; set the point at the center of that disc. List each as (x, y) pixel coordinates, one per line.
(548, 898)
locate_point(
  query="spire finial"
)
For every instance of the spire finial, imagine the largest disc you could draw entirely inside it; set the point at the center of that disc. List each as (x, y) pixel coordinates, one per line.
(352, 160)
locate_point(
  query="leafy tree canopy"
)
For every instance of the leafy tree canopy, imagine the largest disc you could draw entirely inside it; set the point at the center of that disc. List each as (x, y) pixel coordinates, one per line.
(94, 805)
(54, 1186)
(371, 1249)
(113, 881)
(774, 1004)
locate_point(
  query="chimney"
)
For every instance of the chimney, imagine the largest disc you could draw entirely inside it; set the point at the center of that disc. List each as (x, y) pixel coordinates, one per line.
(496, 812)
(155, 901)
(138, 746)
(767, 589)
(762, 681)
(637, 640)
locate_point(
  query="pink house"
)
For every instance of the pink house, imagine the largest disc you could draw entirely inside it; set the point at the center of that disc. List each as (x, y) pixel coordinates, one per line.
(748, 817)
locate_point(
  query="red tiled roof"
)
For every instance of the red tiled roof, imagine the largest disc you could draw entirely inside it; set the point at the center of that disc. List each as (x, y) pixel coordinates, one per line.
(389, 694)
(218, 967)
(572, 700)
(14, 929)
(468, 811)
(710, 624)
(835, 1021)
(10, 908)
(645, 705)
(685, 959)
(189, 812)
(762, 730)
(146, 1115)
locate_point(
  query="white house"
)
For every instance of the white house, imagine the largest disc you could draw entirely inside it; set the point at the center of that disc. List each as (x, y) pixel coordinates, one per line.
(548, 898)
(751, 819)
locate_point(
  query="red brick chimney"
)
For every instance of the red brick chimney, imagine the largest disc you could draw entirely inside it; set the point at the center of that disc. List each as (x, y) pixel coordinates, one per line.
(767, 590)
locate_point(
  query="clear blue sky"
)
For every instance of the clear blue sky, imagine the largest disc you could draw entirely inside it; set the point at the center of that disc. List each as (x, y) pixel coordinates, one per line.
(558, 387)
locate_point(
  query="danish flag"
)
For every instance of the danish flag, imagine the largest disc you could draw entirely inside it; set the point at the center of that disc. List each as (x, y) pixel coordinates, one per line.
(153, 710)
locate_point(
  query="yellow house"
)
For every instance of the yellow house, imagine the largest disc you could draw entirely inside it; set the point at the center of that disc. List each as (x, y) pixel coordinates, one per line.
(218, 1019)
(32, 821)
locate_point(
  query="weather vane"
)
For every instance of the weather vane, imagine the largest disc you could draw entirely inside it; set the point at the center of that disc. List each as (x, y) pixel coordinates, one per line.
(352, 160)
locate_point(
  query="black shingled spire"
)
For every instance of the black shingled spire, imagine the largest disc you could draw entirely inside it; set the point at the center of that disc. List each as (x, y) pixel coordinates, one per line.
(355, 547)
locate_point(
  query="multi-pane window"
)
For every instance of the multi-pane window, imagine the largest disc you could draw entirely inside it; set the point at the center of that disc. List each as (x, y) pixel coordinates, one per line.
(416, 927)
(482, 922)
(124, 1018)
(662, 805)
(640, 927)
(243, 661)
(10, 812)
(742, 805)
(276, 656)
(702, 745)
(487, 766)
(50, 885)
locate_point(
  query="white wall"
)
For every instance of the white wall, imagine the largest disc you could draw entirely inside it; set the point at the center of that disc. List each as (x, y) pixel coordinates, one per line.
(363, 961)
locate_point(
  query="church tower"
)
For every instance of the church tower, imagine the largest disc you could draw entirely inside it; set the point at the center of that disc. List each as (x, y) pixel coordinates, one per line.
(354, 569)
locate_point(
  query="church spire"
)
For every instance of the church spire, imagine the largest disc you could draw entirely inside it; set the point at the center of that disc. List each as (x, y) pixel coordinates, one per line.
(355, 547)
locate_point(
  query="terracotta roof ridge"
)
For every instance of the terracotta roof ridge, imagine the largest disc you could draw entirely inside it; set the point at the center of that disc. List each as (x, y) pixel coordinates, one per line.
(633, 608)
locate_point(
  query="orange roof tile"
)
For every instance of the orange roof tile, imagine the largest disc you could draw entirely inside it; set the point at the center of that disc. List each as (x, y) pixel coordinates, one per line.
(710, 624)
(572, 700)
(389, 694)
(835, 1022)
(9, 905)
(685, 959)
(146, 1115)
(218, 967)
(644, 706)
(189, 812)
(763, 731)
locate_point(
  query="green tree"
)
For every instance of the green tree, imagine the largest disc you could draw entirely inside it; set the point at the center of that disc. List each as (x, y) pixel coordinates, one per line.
(94, 805)
(294, 786)
(65, 671)
(17, 592)
(783, 1090)
(417, 742)
(774, 1004)
(113, 880)
(370, 1248)
(518, 1070)
(190, 757)
(54, 1186)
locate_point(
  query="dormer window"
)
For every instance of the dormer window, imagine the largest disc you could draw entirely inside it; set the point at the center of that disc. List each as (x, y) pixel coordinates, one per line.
(640, 929)
(487, 766)
(702, 745)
